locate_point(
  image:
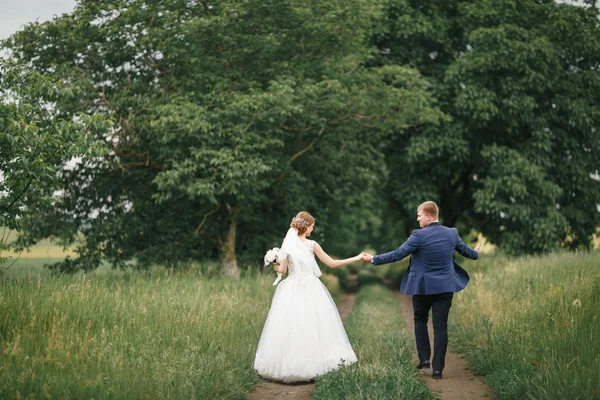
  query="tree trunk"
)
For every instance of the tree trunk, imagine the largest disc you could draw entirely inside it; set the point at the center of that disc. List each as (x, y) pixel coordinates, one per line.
(456, 199)
(449, 218)
(229, 265)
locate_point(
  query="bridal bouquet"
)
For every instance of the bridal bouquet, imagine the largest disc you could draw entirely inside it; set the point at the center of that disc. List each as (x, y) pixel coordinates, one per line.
(274, 256)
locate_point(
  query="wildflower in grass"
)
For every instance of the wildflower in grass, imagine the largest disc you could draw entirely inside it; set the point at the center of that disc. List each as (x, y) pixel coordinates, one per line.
(577, 303)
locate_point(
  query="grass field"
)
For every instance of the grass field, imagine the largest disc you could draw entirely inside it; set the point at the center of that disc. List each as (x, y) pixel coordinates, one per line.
(531, 325)
(385, 368)
(169, 334)
(32, 260)
(129, 335)
(43, 249)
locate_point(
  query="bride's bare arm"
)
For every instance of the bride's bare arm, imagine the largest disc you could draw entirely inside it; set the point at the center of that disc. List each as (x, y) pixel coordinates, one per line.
(282, 266)
(330, 261)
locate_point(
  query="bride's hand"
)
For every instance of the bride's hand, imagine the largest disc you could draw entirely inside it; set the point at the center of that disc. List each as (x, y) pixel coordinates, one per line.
(366, 257)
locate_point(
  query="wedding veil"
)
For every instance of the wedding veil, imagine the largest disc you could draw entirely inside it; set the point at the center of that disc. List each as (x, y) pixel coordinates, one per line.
(303, 260)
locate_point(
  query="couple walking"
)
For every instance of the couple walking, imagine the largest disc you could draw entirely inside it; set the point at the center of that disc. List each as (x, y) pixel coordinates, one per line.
(304, 337)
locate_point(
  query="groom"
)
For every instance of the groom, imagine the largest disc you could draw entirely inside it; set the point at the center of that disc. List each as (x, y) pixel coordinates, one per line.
(432, 278)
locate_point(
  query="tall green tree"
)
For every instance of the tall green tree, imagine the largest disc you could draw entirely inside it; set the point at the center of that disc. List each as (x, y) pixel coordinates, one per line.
(36, 146)
(231, 116)
(520, 83)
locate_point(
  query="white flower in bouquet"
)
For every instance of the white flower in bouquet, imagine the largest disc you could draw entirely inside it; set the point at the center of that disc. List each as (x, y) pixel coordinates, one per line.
(274, 256)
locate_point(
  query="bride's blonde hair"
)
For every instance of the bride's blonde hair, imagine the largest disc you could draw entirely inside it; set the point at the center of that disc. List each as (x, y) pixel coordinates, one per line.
(302, 221)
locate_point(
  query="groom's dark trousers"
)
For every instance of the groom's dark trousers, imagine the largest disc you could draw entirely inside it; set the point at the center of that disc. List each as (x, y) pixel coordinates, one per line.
(432, 278)
(439, 304)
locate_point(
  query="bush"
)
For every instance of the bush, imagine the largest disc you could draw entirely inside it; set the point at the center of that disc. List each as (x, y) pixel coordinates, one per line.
(368, 278)
(342, 275)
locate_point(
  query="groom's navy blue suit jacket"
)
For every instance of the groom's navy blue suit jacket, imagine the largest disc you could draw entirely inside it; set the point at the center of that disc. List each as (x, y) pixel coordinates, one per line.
(432, 268)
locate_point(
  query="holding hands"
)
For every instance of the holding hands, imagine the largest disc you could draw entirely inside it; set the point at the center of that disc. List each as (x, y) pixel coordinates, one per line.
(366, 257)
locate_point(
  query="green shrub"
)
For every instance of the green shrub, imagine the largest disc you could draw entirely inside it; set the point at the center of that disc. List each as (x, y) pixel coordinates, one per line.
(367, 277)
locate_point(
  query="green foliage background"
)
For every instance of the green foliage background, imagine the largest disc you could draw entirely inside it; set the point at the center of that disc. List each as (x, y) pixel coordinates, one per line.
(230, 117)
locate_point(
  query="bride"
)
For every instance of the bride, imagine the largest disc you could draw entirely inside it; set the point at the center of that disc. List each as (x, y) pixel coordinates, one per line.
(303, 335)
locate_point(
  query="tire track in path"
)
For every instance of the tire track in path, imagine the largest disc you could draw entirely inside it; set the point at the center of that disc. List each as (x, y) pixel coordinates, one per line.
(268, 390)
(459, 382)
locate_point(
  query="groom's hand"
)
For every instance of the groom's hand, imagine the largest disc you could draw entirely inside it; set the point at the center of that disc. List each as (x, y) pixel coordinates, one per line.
(367, 257)
(477, 247)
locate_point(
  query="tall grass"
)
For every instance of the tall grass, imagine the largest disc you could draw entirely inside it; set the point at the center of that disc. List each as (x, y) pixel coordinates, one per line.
(31, 265)
(129, 335)
(532, 325)
(385, 367)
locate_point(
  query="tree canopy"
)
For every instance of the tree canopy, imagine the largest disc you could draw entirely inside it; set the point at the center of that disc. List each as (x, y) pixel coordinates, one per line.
(518, 157)
(229, 115)
(232, 116)
(36, 145)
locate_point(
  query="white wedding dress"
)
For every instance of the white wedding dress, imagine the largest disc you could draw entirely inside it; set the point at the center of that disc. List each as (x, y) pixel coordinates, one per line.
(303, 335)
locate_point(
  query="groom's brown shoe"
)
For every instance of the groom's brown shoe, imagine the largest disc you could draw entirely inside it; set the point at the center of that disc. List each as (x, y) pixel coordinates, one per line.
(424, 364)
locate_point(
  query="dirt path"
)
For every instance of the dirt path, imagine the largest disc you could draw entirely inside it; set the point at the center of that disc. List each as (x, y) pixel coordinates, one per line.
(459, 382)
(268, 390)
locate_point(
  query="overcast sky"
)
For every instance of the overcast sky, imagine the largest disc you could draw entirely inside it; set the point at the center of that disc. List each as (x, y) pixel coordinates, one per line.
(16, 13)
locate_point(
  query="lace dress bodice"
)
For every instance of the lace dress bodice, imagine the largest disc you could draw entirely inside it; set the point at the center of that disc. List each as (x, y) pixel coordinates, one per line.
(296, 268)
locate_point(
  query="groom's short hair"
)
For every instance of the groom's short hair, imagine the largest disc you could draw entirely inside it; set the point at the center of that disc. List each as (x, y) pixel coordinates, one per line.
(429, 207)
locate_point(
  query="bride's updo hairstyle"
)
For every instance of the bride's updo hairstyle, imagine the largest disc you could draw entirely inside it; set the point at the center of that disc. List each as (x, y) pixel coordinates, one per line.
(302, 221)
